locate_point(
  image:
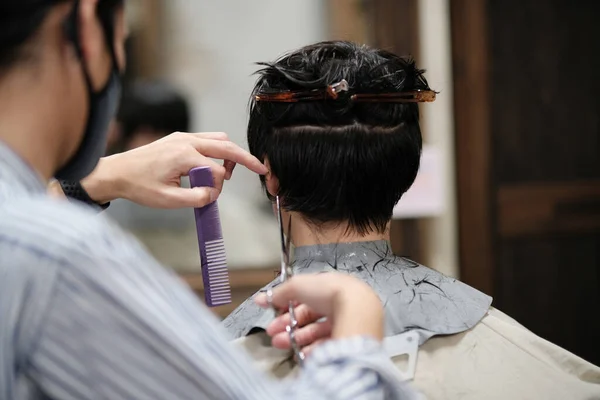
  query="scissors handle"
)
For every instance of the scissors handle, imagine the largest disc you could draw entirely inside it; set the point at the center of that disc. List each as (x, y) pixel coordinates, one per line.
(291, 330)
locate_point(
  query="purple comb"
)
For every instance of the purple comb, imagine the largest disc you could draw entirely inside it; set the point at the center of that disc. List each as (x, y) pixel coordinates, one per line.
(217, 290)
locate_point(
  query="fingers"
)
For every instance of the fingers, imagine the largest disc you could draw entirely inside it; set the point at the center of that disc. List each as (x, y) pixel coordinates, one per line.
(185, 136)
(195, 159)
(211, 135)
(282, 295)
(226, 150)
(309, 329)
(317, 291)
(178, 197)
(304, 315)
(218, 145)
(305, 336)
(229, 166)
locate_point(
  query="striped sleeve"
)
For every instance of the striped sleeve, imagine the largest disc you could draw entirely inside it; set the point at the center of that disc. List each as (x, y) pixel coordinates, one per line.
(124, 328)
(114, 324)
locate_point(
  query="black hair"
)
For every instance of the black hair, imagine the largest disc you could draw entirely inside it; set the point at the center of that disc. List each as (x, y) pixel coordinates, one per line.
(339, 161)
(21, 19)
(155, 105)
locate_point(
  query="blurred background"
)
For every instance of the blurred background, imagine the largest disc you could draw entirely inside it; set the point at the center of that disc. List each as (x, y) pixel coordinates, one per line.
(508, 197)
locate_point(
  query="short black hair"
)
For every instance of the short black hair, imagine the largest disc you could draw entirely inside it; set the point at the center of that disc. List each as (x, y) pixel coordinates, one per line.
(155, 105)
(339, 161)
(21, 19)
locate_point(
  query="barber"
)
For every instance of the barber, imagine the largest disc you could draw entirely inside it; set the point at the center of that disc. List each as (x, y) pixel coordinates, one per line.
(85, 312)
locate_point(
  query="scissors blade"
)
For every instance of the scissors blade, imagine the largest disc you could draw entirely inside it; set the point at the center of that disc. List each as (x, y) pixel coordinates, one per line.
(288, 266)
(284, 244)
(286, 273)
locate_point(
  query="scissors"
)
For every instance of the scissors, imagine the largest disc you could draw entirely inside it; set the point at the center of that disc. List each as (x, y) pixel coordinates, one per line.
(284, 276)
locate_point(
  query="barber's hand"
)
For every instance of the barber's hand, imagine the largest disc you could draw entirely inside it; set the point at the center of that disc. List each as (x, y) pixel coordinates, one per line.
(350, 307)
(314, 329)
(151, 175)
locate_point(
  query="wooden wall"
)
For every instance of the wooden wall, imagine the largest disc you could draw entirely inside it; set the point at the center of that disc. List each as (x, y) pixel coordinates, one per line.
(528, 150)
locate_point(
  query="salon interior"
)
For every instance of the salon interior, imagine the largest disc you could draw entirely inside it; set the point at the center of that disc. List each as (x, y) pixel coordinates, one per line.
(508, 194)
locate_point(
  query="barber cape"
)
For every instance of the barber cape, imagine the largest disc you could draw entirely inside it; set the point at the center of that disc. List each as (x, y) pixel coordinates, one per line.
(442, 334)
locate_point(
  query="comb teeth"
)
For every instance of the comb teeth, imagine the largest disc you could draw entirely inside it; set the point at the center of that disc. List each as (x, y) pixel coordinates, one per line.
(216, 279)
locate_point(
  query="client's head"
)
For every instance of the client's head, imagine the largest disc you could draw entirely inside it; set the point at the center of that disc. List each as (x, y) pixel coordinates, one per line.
(339, 159)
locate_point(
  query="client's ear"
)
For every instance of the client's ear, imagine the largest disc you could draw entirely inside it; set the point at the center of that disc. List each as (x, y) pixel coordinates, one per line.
(271, 180)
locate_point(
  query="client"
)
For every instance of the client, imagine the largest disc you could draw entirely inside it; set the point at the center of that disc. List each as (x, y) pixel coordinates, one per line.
(337, 125)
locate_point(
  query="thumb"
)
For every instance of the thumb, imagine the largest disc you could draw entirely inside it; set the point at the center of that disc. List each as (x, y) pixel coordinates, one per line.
(178, 197)
(300, 288)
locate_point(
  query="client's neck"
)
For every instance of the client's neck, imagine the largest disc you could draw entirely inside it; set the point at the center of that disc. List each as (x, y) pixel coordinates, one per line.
(305, 234)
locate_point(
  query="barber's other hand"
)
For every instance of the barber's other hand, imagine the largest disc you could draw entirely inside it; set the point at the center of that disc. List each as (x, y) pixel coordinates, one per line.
(350, 307)
(151, 175)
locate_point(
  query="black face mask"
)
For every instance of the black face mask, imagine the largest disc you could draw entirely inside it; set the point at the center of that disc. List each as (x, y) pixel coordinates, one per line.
(103, 107)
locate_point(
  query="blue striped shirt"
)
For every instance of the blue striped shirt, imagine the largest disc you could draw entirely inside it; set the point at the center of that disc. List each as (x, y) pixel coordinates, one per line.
(86, 313)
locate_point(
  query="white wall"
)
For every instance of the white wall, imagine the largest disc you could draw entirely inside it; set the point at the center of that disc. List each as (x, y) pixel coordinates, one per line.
(437, 118)
(214, 45)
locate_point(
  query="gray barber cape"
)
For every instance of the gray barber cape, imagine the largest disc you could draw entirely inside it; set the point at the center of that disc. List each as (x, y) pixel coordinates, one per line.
(414, 297)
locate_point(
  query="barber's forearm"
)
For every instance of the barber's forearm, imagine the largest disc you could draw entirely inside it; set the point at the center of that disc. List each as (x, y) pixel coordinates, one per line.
(102, 185)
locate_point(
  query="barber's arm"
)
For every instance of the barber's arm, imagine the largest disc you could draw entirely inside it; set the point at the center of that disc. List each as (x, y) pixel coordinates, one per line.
(123, 327)
(150, 175)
